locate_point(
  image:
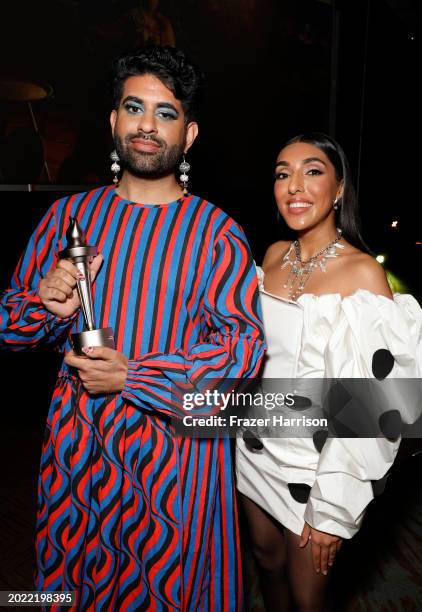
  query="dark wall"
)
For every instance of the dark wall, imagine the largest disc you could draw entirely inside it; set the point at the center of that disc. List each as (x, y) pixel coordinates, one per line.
(377, 121)
(267, 66)
(269, 72)
(269, 69)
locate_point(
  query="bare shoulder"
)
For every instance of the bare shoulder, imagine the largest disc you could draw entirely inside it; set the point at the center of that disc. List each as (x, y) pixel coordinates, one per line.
(364, 272)
(275, 252)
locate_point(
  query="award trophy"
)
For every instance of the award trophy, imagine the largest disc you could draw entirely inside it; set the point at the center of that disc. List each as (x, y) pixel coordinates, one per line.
(79, 253)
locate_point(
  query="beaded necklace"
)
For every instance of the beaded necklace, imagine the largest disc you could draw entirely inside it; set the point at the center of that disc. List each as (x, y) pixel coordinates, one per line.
(300, 271)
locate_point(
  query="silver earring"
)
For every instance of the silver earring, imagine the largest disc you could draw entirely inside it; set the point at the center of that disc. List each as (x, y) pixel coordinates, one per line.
(184, 178)
(115, 168)
(335, 203)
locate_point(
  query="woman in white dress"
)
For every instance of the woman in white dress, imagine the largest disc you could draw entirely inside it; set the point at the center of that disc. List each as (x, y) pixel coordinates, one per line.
(328, 313)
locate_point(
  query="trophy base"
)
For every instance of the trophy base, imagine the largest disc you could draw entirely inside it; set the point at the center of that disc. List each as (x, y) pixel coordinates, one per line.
(92, 337)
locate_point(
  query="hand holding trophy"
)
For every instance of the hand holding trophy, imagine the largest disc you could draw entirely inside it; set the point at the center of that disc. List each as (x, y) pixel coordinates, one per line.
(79, 252)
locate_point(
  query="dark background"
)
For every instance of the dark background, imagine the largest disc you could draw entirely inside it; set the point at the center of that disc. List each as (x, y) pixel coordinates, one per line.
(274, 68)
(268, 71)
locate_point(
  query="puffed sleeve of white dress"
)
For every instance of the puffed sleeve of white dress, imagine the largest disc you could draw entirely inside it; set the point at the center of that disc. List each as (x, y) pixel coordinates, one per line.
(375, 338)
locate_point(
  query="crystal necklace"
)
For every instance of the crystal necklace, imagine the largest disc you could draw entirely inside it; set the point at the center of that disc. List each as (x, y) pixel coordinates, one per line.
(300, 271)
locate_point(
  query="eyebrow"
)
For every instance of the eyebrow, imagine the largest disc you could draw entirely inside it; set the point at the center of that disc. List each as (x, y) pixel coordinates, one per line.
(308, 160)
(158, 105)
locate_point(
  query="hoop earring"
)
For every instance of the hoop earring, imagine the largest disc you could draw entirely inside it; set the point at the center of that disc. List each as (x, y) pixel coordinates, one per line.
(115, 168)
(184, 178)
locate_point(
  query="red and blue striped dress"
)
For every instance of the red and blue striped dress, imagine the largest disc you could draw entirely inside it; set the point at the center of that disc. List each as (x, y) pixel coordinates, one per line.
(131, 514)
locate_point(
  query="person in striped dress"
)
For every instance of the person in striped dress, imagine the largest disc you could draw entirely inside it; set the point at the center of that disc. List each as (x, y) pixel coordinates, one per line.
(131, 514)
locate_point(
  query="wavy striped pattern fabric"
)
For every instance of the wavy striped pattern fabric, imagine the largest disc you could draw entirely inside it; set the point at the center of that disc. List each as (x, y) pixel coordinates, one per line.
(131, 515)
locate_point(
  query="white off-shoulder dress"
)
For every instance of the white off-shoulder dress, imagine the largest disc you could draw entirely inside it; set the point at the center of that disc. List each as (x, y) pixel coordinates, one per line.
(327, 336)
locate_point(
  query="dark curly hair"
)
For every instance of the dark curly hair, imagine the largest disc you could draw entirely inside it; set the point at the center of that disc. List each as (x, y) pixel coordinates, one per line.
(170, 66)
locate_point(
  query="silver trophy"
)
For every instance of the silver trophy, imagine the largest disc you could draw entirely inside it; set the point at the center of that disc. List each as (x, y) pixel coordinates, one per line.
(80, 253)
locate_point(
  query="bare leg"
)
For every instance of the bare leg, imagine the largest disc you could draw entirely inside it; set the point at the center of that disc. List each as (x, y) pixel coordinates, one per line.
(269, 548)
(310, 590)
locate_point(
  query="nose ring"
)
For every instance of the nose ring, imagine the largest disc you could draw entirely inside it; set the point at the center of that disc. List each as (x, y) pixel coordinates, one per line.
(144, 136)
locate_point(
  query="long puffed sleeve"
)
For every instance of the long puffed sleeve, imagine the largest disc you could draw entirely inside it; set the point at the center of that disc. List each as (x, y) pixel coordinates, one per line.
(375, 338)
(232, 343)
(24, 322)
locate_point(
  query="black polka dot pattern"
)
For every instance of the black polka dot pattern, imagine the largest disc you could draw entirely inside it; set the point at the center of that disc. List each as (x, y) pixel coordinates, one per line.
(382, 363)
(390, 424)
(335, 400)
(252, 443)
(341, 430)
(299, 491)
(319, 439)
(378, 486)
(301, 403)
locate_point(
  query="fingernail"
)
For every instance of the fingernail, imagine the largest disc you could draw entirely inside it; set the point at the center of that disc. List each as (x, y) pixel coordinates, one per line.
(87, 349)
(80, 276)
(325, 572)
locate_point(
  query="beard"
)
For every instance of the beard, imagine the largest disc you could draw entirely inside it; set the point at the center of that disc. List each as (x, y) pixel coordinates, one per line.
(144, 164)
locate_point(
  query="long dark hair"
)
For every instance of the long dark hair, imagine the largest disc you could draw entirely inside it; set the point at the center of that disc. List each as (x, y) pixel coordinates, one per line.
(347, 214)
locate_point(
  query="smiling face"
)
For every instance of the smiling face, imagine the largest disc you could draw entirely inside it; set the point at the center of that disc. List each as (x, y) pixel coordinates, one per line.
(305, 186)
(149, 128)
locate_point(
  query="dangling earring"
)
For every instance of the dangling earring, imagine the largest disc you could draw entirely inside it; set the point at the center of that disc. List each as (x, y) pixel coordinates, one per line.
(184, 178)
(115, 168)
(335, 203)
